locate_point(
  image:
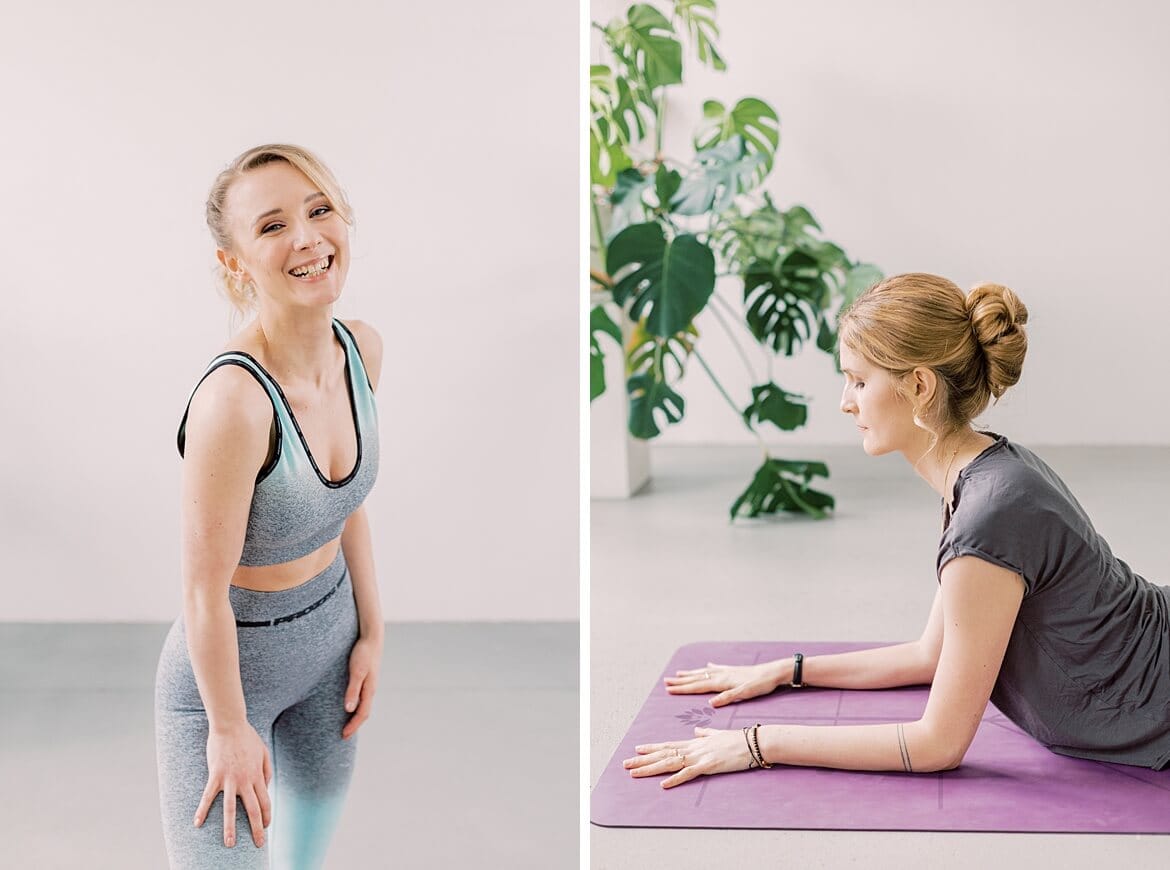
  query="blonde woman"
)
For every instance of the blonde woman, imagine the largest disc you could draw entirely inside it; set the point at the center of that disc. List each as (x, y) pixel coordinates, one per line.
(271, 667)
(1033, 610)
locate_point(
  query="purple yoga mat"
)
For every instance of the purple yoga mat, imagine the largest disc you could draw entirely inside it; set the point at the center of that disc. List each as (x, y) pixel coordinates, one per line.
(1007, 781)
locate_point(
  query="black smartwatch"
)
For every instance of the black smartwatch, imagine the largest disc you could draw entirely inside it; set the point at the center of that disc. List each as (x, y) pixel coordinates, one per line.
(797, 667)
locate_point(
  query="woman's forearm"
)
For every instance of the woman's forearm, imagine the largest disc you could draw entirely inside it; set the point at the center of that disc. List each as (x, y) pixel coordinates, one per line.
(912, 747)
(215, 659)
(359, 557)
(886, 667)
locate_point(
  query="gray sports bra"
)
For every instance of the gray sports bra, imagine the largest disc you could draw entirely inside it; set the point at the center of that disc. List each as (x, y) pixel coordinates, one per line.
(295, 508)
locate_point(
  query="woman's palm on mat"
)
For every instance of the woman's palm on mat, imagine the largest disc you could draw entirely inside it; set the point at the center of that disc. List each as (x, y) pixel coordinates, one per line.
(732, 682)
(712, 751)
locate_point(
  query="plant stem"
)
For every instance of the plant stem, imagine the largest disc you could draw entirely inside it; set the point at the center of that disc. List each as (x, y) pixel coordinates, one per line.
(730, 401)
(601, 249)
(727, 328)
(661, 121)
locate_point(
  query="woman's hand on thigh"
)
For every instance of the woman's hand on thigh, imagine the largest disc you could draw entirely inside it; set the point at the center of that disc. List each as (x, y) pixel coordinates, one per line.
(238, 763)
(365, 660)
(732, 682)
(712, 751)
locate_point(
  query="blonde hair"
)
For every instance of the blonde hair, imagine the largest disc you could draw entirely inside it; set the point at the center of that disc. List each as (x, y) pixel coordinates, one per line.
(243, 296)
(974, 342)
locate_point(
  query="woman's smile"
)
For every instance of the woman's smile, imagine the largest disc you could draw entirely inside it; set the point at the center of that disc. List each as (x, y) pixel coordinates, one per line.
(314, 270)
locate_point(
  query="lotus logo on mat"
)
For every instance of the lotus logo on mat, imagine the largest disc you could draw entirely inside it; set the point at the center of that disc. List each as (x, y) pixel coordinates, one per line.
(695, 716)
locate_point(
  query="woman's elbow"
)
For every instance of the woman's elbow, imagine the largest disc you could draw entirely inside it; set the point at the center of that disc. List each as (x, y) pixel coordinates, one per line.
(944, 751)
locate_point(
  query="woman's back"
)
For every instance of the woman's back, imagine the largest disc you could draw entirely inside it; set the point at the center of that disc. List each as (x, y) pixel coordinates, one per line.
(1087, 669)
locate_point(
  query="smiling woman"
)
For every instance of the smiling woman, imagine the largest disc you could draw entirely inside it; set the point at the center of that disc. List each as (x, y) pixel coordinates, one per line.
(281, 634)
(325, 199)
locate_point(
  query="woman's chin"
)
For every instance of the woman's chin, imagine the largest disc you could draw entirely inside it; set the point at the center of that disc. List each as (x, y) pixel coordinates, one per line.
(871, 445)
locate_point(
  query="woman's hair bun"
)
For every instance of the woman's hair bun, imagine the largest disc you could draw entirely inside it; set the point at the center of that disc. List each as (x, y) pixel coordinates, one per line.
(997, 320)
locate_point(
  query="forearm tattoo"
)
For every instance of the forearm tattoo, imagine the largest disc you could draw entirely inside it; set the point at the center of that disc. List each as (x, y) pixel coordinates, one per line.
(905, 750)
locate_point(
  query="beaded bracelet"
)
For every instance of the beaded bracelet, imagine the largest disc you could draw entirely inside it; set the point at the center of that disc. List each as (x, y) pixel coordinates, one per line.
(752, 765)
(756, 741)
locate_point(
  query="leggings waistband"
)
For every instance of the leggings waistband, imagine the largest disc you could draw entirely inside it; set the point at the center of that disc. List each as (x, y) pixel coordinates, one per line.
(255, 609)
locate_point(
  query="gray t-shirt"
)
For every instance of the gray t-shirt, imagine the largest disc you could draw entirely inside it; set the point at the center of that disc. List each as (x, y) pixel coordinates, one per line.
(1087, 668)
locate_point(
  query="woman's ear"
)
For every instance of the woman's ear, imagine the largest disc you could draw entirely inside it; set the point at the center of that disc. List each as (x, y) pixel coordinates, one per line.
(924, 383)
(232, 265)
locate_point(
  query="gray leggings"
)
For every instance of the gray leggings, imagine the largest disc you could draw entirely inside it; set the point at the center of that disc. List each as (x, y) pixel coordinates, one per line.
(294, 666)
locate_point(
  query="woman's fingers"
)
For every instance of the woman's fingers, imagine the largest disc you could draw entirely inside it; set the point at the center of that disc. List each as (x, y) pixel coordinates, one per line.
(643, 748)
(252, 808)
(363, 711)
(209, 793)
(701, 687)
(265, 805)
(655, 752)
(696, 768)
(728, 697)
(641, 760)
(267, 770)
(229, 813)
(669, 764)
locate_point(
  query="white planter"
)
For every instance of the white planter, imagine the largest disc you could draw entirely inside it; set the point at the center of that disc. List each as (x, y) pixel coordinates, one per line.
(619, 463)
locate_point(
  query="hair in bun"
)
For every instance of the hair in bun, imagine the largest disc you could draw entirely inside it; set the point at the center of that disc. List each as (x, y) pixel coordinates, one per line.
(997, 318)
(974, 343)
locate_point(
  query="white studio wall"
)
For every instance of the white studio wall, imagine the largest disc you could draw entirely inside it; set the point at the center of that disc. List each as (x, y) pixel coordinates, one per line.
(459, 154)
(1020, 143)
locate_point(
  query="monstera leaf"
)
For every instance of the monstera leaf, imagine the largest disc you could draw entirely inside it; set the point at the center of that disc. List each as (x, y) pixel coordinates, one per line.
(626, 199)
(666, 185)
(724, 171)
(860, 278)
(599, 321)
(787, 410)
(698, 16)
(646, 43)
(652, 364)
(647, 395)
(667, 356)
(783, 485)
(609, 132)
(672, 279)
(753, 120)
(783, 300)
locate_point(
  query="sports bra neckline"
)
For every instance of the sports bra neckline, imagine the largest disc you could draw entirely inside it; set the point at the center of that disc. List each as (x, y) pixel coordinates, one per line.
(349, 385)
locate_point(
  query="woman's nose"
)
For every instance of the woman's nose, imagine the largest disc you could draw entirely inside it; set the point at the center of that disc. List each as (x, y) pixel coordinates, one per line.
(308, 238)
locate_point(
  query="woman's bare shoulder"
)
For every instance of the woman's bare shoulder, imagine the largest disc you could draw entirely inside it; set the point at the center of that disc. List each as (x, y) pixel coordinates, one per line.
(230, 396)
(369, 342)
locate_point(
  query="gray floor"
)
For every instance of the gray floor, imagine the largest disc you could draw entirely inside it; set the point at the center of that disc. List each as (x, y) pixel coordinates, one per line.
(667, 568)
(469, 758)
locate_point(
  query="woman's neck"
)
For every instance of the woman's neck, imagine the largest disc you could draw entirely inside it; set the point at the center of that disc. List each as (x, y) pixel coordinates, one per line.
(940, 466)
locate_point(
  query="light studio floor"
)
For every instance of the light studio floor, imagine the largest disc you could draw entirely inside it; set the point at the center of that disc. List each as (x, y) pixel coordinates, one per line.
(469, 759)
(668, 568)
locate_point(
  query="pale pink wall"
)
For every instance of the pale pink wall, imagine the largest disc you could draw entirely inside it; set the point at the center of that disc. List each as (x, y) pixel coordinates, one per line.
(1022, 143)
(458, 150)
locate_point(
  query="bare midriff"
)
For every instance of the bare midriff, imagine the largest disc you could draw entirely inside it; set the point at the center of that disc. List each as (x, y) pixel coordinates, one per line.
(286, 575)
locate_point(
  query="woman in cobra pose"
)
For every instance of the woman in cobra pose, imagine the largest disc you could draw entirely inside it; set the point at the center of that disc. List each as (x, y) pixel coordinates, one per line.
(1033, 610)
(271, 667)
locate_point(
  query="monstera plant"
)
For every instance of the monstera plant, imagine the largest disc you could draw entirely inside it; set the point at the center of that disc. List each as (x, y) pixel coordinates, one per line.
(664, 229)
